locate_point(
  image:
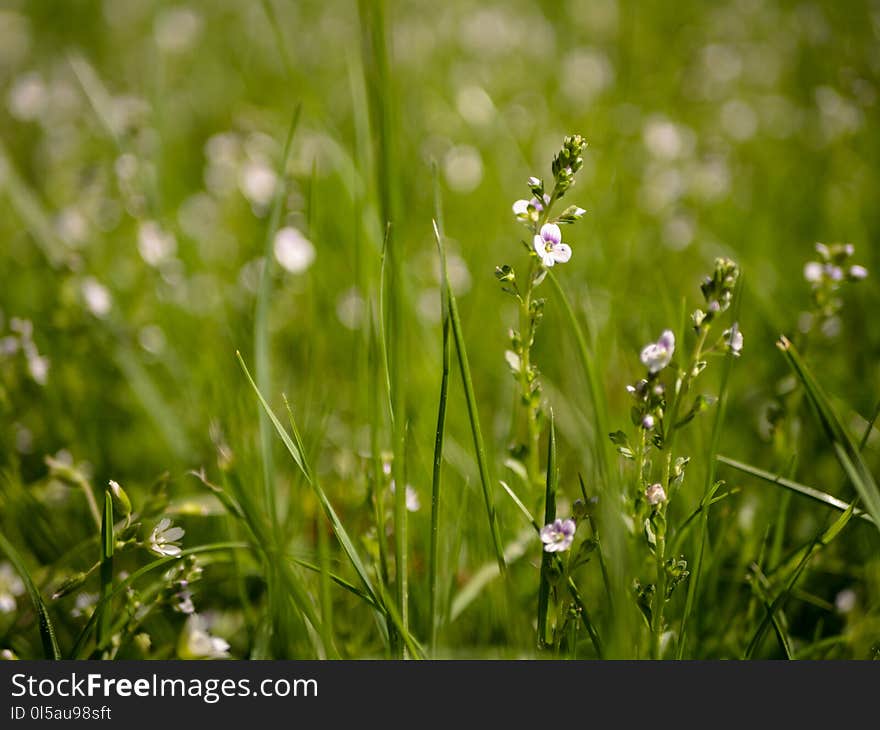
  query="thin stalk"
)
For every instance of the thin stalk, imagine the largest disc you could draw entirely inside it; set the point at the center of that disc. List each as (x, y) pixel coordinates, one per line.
(108, 542)
(547, 558)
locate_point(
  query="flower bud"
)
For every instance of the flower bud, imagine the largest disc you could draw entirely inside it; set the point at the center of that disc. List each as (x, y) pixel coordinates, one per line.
(655, 494)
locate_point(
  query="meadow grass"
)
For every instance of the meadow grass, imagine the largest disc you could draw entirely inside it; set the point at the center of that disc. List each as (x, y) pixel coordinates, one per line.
(262, 396)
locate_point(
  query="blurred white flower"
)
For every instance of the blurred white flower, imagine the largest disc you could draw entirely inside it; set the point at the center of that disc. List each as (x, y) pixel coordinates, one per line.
(733, 338)
(38, 366)
(257, 182)
(845, 601)
(463, 168)
(813, 271)
(11, 586)
(176, 29)
(475, 105)
(28, 97)
(97, 297)
(164, 537)
(665, 139)
(72, 226)
(585, 73)
(154, 244)
(413, 503)
(293, 250)
(196, 643)
(657, 355)
(350, 309)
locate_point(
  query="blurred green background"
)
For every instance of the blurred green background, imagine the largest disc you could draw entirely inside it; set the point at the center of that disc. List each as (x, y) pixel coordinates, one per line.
(140, 148)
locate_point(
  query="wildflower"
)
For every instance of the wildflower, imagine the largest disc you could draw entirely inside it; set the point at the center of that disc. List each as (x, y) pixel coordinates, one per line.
(196, 643)
(845, 601)
(648, 422)
(11, 586)
(163, 539)
(549, 246)
(293, 250)
(413, 503)
(858, 272)
(527, 210)
(813, 272)
(155, 245)
(733, 338)
(84, 604)
(96, 296)
(558, 535)
(657, 355)
(655, 494)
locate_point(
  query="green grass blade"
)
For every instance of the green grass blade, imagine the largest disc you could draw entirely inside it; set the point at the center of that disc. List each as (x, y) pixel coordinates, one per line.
(108, 541)
(844, 447)
(473, 414)
(522, 508)
(597, 390)
(552, 485)
(816, 495)
(585, 616)
(262, 357)
(437, 465)
(47, 630)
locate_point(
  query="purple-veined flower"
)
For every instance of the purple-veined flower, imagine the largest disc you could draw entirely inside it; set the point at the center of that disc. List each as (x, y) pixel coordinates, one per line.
(527, 210)
(733, 338)
(558, 535)
(549, 246)
(658, 355)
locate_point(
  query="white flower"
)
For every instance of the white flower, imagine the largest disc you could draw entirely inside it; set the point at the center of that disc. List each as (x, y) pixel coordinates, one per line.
(155, 245)
(857, 272)
(163, 539)
(293, 250)
(658, 355)
(655, 494)
(413, 503)
(97, 297)
(558, 535)
(549, 246)
(196, 643)
(11, 586)
(257, 182)
(734, 339)
(813, 272)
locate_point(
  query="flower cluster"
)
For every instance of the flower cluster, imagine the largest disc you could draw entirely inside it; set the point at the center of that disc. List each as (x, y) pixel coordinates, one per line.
(826, 276)
(717, 291)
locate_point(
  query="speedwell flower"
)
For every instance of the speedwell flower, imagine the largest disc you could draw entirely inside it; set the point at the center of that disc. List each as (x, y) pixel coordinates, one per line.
(655, 494)
(549, 246)
(163, 539)
(558, 535)
(733, 338)
(658, 355)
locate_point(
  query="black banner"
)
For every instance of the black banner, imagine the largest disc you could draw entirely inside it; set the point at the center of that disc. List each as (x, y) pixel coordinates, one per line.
(400, 694)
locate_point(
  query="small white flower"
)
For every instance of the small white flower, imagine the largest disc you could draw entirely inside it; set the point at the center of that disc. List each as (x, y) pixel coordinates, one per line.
(293, 250)
(413, 503)
(155, 245)
(813, 272)
(97, 297)
(858, 272)
(655, 494)
(196, 643)
(258, 182)
(845, 601)
(558, 535)
(549, 246)
(11, 586)
(163, 539)
(648, 422)
(657, 355)
(734, 339)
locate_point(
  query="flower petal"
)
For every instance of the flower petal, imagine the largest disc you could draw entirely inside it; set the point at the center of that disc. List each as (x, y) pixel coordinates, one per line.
(561, 252)
(550, 233)
(540, 246)
(175, 533)
(521, 207)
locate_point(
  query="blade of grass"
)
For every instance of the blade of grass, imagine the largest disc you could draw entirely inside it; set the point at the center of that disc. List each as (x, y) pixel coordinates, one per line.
(552, 484)
(262, 356)
(844, 448)
(597, 392)
(709, 487)
(473, 414)
(521, 506)
(816, 495)
(108, 541)
(437, 467)
(47, 630)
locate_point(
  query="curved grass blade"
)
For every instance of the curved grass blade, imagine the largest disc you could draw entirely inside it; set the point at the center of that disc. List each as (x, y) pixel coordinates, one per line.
(816, 495)
(108, 541)
(473, 414)
(597, 392)
(844, 447)
(552, 486)
(47, 630)
(522, 507)
(437, 466)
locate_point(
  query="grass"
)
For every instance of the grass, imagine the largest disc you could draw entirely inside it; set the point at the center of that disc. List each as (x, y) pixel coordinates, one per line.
(379, 352)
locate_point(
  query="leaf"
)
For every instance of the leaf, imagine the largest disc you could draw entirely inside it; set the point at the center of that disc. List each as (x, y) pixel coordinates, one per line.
(842, 443)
